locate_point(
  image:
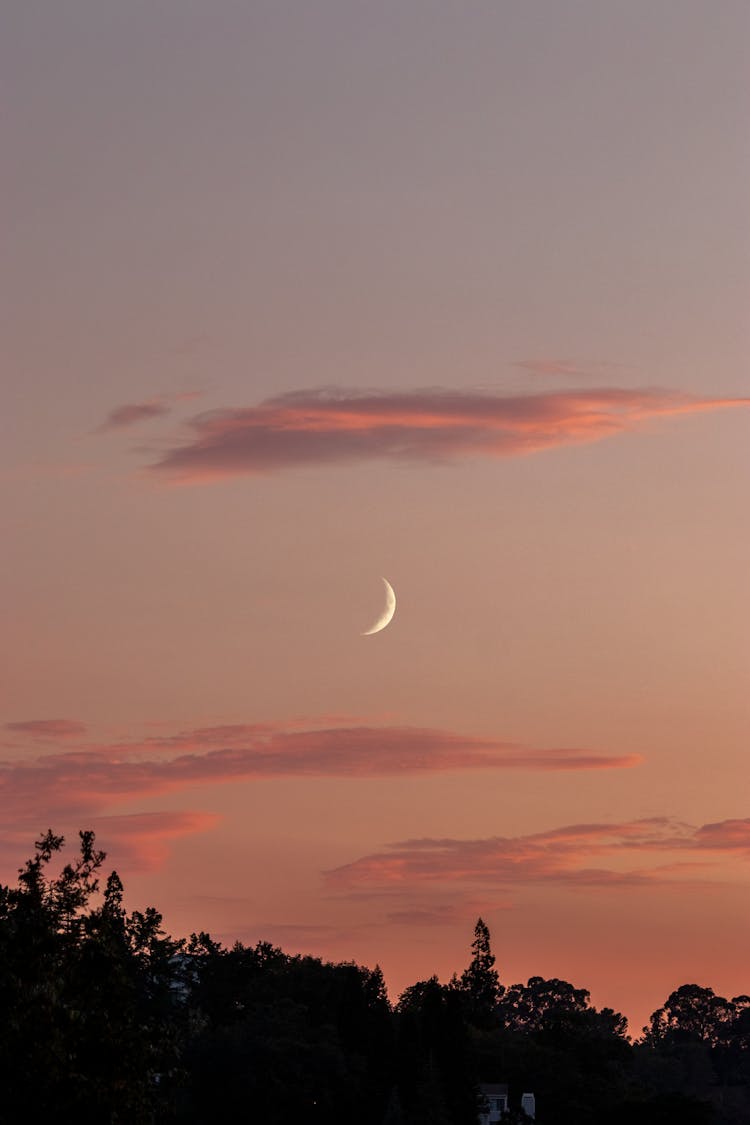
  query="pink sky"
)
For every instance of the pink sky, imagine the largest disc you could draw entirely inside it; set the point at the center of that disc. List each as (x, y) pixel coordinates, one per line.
(301, 296)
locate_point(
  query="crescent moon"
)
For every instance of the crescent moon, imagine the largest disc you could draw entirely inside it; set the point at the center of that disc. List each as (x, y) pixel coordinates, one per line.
(388, 612)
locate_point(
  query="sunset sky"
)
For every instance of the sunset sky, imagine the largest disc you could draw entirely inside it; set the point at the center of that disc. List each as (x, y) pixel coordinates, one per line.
(298, 295)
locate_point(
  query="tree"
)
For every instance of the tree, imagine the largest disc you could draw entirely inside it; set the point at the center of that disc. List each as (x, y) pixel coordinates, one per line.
(574, 1058)
(480, 983)
(543, 1005)
(698, 1046)
(428, 1103)
(435, 1072)
(293, 1037)
(89, 1020)
(693, 1014)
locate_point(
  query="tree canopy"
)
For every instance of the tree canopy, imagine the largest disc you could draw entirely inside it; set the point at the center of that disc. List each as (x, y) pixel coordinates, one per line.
(109, 1020)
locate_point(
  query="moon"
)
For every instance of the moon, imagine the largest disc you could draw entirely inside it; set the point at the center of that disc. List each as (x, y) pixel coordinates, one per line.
(388, 612)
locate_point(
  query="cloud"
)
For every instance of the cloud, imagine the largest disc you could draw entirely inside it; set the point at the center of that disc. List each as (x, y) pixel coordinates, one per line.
(133, 412)
(218, 754)
(78, 784)
(570, 368)
(133, 841)
(331, 426)
(440, 915)
(725, 835)
(48, 728)
(141, 840)
(569, 855)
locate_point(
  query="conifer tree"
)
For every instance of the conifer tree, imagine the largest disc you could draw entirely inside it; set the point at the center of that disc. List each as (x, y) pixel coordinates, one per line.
(480, 982)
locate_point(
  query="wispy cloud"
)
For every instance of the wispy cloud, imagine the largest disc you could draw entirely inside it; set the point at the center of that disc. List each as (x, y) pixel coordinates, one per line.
(130, 413)
(142, 840)
(584, 855)
(569, 368)
(217, 754)
(88, 781)
(332, 426)
(725, 836)
(48, 728)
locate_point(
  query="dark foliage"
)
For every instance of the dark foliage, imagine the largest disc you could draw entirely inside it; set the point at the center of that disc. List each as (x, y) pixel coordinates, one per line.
(88, 1032)
(106, 1020)
(480, 983)
(435, 1072)
(290, 1036)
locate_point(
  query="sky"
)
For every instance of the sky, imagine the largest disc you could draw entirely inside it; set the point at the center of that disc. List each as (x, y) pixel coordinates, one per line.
(299, 296)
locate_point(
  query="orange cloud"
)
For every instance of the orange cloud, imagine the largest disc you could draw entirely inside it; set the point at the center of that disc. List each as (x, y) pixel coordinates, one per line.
(563, 855)
(333, 426)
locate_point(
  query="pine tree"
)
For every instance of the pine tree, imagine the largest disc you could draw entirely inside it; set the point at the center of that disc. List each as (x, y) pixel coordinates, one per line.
(480, 982)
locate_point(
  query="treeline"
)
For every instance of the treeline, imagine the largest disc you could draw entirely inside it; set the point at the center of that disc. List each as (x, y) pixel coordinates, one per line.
(106, 1019)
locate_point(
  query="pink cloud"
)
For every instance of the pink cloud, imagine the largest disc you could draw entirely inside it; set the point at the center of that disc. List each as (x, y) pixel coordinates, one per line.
(141, 840)
(333, 426)
(134, 841)
(568, 855)
(438, 915)
(82, 783)
(220, 754)
(48, 728)
(133, 412)
(570, 368)
(726, 836)
(429, 906)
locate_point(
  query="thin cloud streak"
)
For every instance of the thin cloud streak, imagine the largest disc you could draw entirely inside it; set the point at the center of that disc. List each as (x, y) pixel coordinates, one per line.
(568, 368)
(563, 855)
(48, 728)
(331, 426)
(78, 784)
(217, 755)
(129, 414)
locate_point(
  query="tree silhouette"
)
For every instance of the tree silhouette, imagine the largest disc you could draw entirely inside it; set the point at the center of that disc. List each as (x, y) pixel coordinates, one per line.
(435, 1069)
(90, 1030)
(693, 1014)
(480, 983)
(109, 1021)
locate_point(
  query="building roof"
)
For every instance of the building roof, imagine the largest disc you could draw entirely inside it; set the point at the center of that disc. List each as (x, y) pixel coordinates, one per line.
(493, 1089)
